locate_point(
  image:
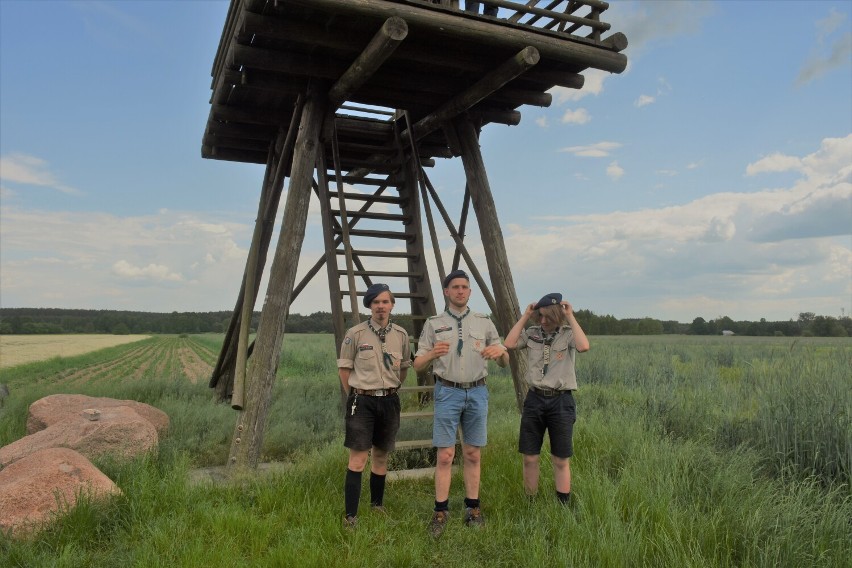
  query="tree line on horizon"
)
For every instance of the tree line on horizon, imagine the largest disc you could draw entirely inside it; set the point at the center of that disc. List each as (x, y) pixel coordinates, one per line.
(33, 321)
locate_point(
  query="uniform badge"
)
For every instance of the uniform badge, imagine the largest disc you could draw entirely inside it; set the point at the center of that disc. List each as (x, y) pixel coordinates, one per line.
(444, 328)
(477, 345)
(347, 341)
(560, 356)
(365, 347)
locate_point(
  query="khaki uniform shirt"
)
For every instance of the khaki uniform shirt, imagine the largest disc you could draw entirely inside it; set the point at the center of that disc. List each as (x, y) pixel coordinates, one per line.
(478, 332)
(362, 352)
(560, 370)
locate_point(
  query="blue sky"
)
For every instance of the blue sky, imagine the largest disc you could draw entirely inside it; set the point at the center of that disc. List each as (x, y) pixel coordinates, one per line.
(713, 177)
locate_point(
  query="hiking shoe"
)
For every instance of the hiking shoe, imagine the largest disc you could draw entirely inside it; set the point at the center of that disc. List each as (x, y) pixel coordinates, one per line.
(473, 517)
(350, 522)
(439, 522)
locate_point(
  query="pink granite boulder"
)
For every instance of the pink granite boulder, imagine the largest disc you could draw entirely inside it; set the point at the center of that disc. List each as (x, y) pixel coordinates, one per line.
(57, 407)
(44, 484)
(117, 431)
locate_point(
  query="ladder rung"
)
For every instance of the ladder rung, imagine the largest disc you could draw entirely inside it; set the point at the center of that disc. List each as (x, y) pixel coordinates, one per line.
(355, 180)
(368, 197)
(423, 414)
(387, 273)
(381, 253)
(399, 235)
(370, 215)
(413, 444)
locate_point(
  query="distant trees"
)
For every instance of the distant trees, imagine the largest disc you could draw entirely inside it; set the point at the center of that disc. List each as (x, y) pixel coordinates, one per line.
(43, 321)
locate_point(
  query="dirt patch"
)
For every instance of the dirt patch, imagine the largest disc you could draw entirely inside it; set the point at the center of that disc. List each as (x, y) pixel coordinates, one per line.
(192, 365)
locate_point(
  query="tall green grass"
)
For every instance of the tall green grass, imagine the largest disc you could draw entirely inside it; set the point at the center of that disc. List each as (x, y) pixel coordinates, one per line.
(688, 452)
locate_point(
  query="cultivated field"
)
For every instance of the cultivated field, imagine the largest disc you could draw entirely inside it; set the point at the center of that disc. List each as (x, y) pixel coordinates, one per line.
(19, 349)
(689, 451)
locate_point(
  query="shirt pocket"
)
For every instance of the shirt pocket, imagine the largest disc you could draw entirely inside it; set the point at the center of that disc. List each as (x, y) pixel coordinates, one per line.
(366, 362)
(477, 340)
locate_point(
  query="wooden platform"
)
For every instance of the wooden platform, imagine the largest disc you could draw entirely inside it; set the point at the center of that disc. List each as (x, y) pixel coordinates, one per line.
(271, 49)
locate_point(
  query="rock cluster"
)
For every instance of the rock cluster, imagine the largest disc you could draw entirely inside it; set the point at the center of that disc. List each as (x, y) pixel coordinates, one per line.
(45, 472)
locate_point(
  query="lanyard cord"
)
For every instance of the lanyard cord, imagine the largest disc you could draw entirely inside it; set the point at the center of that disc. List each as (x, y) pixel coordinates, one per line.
(382, 332)
(459, 320)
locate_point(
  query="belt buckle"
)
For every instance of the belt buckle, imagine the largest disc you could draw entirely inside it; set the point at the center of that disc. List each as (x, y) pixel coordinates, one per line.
(379, 392)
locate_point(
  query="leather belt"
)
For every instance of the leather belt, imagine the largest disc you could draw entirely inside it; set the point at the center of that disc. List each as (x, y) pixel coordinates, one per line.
(464, 386)
(548, 393)
(375, 392)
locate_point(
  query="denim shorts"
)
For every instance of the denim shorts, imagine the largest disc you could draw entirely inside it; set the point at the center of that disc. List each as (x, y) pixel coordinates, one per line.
(465, 407)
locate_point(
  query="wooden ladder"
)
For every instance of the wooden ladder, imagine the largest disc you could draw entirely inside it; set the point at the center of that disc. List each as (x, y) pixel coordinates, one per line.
(372, 231)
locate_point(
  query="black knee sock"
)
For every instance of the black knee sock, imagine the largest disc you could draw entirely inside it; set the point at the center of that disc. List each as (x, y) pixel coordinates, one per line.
(352, 492)
(442, 505)
(377, 489)
(471, 503)
(563, 497)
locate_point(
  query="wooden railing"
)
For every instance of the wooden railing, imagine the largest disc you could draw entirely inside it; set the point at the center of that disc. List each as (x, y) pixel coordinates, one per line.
(572, 17)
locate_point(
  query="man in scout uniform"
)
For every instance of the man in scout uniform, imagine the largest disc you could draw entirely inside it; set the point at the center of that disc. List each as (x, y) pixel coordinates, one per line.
(374, 360)
(551, 347)
(458, 344)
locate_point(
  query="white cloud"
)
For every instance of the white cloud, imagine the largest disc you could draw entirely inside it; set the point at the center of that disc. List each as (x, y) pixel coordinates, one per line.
(30, 170)
(541, 121)
(597, 150)
(579, 116)
(644, 100)
(152, 272)
(614, 171)
(747, 255)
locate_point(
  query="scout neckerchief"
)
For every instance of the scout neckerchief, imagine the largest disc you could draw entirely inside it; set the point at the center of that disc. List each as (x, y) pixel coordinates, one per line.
(548, 341)
(382, 332)
(459, 320)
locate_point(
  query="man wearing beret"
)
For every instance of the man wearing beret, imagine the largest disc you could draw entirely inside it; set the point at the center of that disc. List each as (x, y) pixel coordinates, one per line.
(458, 344)
(374, 360)
(551, 347)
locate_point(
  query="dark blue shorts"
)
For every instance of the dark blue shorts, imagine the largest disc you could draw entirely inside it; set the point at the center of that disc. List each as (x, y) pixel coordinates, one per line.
(556, 415)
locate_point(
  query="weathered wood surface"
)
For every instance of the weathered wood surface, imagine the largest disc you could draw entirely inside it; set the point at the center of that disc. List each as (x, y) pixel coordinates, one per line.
(270, 50)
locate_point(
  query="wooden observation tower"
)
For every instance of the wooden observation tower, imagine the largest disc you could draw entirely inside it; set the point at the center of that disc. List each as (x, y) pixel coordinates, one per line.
(353, 101)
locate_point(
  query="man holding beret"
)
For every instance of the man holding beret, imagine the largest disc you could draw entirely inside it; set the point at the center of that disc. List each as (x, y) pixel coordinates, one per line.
(374, 360)
(458, 345)
(551, 347)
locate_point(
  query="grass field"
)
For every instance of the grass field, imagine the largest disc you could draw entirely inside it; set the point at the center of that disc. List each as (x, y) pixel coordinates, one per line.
(689, 451)
(19, 349)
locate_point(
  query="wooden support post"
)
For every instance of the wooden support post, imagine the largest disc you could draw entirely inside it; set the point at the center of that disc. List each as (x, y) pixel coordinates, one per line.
(508, 310)
(223, 375)
(251, 422)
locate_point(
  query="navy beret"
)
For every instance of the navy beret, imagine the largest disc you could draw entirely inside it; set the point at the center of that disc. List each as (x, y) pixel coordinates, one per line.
(453, 275)
(551, 299)
(374, 291)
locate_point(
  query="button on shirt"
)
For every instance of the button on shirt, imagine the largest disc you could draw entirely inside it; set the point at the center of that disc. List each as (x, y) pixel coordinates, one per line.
(478, 332)
(560, 370)
(362, 353)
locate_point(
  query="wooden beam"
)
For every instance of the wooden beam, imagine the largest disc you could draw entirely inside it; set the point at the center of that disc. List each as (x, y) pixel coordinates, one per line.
(510, 69)
(383, 44)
